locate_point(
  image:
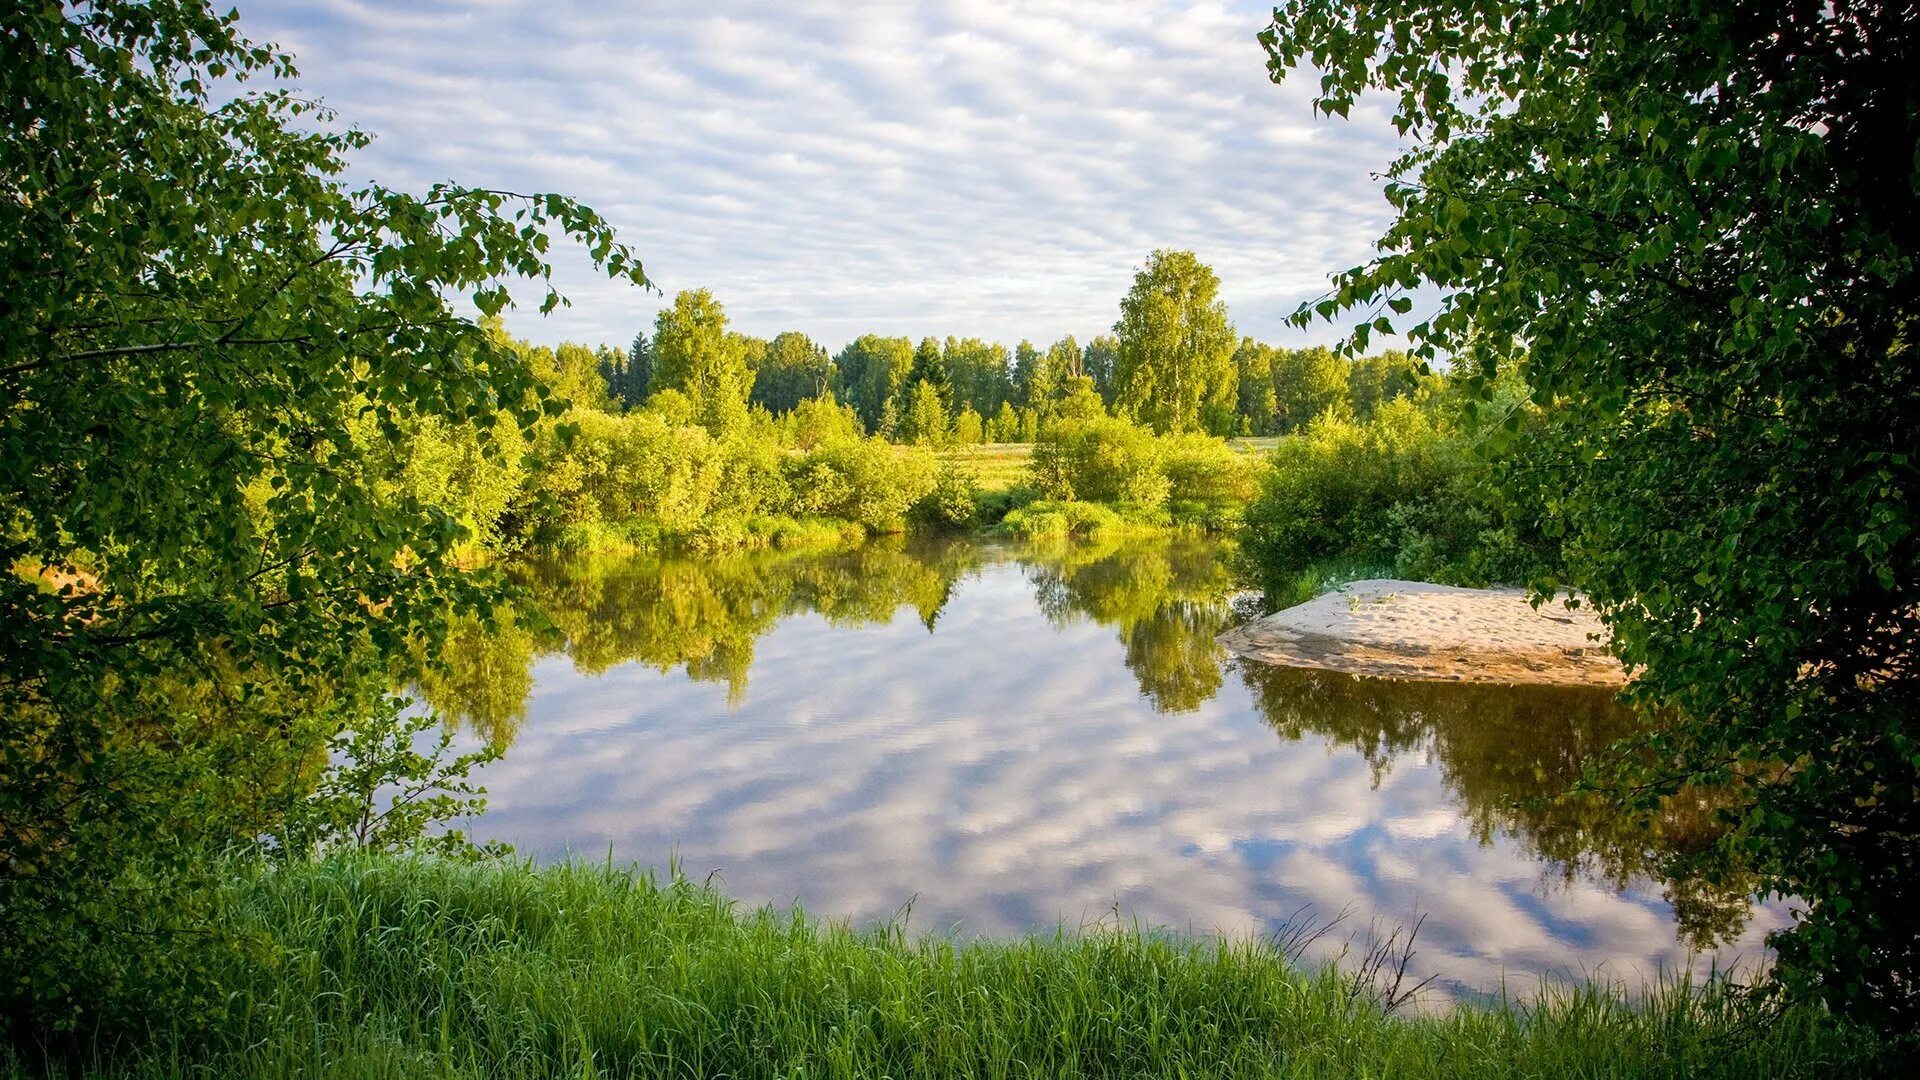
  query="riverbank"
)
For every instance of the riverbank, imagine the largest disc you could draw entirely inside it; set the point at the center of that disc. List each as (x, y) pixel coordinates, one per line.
(1417, 630)
(410, 966)
(1039, 519)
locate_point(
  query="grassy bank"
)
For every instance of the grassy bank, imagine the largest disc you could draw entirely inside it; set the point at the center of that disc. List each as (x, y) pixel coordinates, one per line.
(389, 966)
(640, 535)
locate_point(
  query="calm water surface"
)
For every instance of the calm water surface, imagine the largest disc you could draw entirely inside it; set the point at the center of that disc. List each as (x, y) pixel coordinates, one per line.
(1011, 739)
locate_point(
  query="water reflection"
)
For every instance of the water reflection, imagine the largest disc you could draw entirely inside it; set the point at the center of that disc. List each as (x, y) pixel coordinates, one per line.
(1510, 756)
(1022, 736)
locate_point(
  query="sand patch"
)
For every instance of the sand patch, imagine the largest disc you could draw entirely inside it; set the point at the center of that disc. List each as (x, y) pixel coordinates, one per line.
(1414, 630)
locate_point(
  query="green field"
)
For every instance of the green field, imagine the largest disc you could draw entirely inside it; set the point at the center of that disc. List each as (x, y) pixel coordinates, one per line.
(999, 466)
(994, 466)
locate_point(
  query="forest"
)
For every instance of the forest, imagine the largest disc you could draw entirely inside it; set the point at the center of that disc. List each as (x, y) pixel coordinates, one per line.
(284, 501)
(641, 422)
(700, 438)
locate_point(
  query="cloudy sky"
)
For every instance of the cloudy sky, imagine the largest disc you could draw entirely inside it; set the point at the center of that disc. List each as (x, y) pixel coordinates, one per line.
(974, 167)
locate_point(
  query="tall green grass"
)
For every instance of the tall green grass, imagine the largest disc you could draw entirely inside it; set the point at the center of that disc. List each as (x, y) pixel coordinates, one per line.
(389, 966)
(1005, 466)
(993, 466)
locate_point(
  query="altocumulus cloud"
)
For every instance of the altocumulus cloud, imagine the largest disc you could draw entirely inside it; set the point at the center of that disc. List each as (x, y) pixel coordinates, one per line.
(977, 167)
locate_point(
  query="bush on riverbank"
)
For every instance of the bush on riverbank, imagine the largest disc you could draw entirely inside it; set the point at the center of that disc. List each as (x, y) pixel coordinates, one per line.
(1409, 493)
(1045, 519)
(641, 481)
(409, 966)
(646, 481)
(1099, 473)
(666, 475)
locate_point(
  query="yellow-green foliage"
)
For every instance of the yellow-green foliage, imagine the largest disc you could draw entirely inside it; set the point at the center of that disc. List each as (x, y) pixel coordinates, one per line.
(817, 421)
(471, 471)
(865, 480)
(952, 503)
(592, 479)
(1109, 460)
(1329, 491)
(600, 467)
(968, 428)
(1105, 460)
(1055, 518)
(636, 480)
(1203, 469)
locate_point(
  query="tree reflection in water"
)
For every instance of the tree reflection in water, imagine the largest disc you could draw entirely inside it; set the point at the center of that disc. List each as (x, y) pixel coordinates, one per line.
(1508, 754)
(1512, 757)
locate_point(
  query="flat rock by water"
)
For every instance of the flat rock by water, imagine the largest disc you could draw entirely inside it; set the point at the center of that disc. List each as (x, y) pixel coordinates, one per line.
(1415, 630)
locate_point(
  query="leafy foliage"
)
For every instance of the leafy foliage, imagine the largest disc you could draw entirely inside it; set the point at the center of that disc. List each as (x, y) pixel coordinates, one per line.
(872, 371)
(925, 422)
(794, 370)
(695, 353)
(1109, 460)
(1404, 493)
(1174, 366)
(952, 501)
(386, 793)
(202, 565)
(1700, 222)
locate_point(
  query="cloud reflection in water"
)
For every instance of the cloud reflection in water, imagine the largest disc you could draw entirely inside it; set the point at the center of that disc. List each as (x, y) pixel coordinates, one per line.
(1066, 743)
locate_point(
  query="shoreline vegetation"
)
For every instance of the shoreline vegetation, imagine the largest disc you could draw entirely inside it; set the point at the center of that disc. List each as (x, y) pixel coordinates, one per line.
(699, 438)
(629, 457)
(265, 426)
(412, 965)
(1328, 468)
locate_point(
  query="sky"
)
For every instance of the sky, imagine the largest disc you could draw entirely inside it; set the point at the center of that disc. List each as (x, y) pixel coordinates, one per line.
(975, 168)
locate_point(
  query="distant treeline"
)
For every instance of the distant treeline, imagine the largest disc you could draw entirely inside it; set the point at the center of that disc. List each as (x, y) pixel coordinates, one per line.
(968, 390)
(699, 436)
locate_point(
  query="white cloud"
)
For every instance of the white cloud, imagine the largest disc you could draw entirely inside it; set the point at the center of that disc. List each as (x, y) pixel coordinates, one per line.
(985, 168)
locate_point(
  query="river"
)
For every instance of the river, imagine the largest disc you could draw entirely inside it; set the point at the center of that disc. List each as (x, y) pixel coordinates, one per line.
(995, 739)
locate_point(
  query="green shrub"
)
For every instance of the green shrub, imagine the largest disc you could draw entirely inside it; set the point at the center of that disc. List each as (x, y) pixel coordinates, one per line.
(473, 471)
(1203, 469)
(951, 503)
(868, 481)
(818, 421)
(670, 406)
(1103, 459)
(752, 479)
(595, 466)
(1404, 490)
(1052, 518)
(637, 481)
(640, 480)
(1190, 479)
